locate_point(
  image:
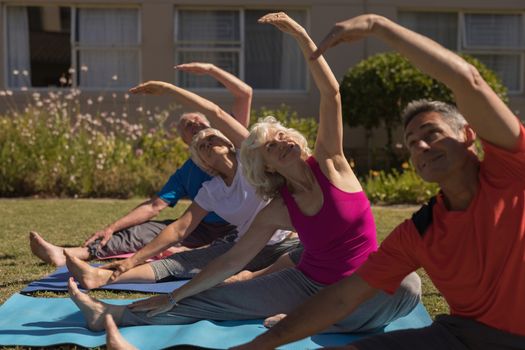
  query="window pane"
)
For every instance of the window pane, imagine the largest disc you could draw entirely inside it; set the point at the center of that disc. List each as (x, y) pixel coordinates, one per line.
(229, 61)
(208, 28)
(38, 44)
(273, 60)
(108, 27)
(493, 30)
(106, 65)
(507, 67)
(439, 26)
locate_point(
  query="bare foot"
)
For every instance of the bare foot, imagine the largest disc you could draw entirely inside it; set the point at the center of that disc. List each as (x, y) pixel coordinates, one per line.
(88, 276)
(115, 340)
(273, 320)
(46, 251)
(93, 310)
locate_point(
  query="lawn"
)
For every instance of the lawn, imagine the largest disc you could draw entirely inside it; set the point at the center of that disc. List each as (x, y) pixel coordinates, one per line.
(70, 221)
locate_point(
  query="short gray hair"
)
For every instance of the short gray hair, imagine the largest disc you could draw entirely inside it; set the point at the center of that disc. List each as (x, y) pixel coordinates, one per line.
(447, 111)
(194, 151)
(266, 184)
(189, 114)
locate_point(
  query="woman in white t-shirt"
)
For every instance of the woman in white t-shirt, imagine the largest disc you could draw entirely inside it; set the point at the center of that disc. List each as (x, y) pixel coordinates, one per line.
(228, 194)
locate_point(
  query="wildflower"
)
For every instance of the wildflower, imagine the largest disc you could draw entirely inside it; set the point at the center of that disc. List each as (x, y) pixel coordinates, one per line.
(114, 95)
(15, 72)
(140, 109)
(405, 165)
(115, 77)
(2, 93)
(100, 98)
(23, 88)
(375, 173)
(84, 68)
(25, 73)
(9, 93)
(62, 80)
(126, 96)
(139, 152)
(71, 70)
(89, 101)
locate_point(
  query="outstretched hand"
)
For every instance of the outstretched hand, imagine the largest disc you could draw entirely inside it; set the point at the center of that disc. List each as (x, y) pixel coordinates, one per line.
(351, 30)
(155, 305)
(195, 68)
(119, 267)
(104, 236)
(151, 88)
(283, 22)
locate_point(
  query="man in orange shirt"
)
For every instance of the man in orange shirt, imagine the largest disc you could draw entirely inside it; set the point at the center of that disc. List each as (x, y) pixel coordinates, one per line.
(470, 238)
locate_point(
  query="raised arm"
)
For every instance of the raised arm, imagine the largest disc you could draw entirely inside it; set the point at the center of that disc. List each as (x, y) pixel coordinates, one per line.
(329, 141)
(242, 92)
(142, 213)
(330, 305)
(264, 225)
(219, 118)
(172, 234)
(478, 103)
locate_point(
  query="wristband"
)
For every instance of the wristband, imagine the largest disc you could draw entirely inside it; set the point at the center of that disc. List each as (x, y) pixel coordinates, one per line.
(172, 300)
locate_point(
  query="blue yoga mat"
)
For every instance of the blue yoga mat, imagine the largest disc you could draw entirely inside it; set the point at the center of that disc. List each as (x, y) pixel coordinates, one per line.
(29, 321)
(57, 281)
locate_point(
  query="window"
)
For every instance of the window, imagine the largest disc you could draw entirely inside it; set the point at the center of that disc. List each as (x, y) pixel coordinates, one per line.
(57, 46)
(494, 39)
(231, 39)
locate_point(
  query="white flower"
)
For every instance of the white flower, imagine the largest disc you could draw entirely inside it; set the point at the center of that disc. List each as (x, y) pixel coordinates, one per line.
(24, 72)
(84, 68)
(15, 72)
(89, 101)
(63, 80)
(115, 77)
(71, 70)
(100, 98)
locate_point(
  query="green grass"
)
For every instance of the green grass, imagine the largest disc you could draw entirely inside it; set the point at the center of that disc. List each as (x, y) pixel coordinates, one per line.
(70, 221)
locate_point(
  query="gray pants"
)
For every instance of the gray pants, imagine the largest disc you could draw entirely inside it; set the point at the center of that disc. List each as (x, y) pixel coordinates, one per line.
(446, 333)
(189, 263)
(134, 238)
(281, 292)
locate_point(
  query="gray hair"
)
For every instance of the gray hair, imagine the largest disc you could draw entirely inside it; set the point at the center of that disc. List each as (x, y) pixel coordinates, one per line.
(188, 115)
(194, 151)
(266, 183)
(448, 112)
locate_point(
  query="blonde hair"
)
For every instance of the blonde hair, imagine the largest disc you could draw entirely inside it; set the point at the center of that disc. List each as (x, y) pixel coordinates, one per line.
(194, 151)
(266, 183)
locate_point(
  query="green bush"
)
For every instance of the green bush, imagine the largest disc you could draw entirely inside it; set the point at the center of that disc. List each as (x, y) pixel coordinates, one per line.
(50, 148)
(306, 126)
(376, 90)
(398, 187)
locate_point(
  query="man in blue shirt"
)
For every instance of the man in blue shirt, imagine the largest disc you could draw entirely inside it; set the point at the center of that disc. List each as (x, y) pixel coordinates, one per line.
(135, 229)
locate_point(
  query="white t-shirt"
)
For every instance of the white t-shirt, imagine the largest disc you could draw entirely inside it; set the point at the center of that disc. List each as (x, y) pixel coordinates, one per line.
(238, 203)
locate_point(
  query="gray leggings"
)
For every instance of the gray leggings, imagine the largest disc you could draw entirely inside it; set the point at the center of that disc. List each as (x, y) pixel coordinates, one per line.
(135, 237)
(280, 292)
(189, 263)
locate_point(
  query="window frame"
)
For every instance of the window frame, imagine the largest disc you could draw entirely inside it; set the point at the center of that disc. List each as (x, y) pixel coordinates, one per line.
(486, 50)
(76, 47)
(241, 48)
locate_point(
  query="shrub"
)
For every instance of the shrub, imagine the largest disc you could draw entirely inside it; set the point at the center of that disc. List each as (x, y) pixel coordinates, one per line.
(398, 187)
(51, 148)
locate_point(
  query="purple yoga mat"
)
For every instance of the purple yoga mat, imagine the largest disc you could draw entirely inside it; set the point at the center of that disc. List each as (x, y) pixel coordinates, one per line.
(57, 281)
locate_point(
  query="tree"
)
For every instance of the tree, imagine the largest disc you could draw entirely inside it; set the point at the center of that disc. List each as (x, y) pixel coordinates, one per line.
(375, 92)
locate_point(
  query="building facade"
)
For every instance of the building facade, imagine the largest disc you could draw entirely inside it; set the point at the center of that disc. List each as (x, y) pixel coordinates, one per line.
(103, 48)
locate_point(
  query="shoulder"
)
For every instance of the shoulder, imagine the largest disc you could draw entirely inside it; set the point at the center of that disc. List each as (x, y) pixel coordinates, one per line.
(423, 218)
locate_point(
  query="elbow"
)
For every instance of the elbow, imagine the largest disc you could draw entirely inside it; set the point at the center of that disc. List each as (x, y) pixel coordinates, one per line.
(469, 77)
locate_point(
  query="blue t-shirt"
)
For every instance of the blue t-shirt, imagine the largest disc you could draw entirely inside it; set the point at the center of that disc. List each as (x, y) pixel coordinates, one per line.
(186, 183)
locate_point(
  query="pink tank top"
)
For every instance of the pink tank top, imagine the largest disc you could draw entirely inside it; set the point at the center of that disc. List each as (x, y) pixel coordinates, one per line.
(339, 238)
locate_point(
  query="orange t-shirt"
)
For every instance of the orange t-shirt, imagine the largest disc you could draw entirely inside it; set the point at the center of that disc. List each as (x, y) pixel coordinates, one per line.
(476, 257)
